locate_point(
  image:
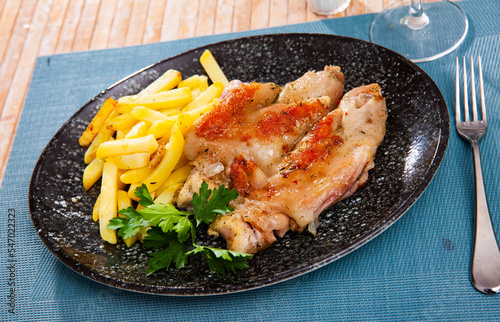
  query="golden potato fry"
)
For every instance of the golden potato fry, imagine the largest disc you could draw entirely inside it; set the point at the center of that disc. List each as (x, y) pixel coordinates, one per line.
(170, 111)
(167, 195)
(104, 135)
(123, 203)
(174, 148)
(95, 211)
(138, 130)
(131, 191)
(212, 68)
(127, 146)
(108, 203)
(92, 173)
(174, 98)
(121, 122)
(178, 176)
(135, 175)
(169, 80)
(142, 113)
(132, 161)
(214, 91)
(97, 122)
(163, 128)
(196, 81)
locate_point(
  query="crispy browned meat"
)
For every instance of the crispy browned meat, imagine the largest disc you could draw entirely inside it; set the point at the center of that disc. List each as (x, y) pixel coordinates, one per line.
(289, 155)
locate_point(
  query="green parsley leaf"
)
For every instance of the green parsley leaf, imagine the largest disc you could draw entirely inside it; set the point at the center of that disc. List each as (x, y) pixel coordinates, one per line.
(222, 260)
(117, 223)
(209, 203)
(129, 226)
(171, 227)
(156, 238)
(168, 218)
(145, 198)
(174, 253)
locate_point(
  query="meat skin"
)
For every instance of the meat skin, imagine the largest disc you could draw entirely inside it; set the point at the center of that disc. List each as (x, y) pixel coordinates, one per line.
(289, 156)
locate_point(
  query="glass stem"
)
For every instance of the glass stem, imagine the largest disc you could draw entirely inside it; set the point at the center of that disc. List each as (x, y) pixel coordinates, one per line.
(417, 19)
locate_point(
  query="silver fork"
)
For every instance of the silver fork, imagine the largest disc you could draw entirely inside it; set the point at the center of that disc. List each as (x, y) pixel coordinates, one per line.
(485, 271)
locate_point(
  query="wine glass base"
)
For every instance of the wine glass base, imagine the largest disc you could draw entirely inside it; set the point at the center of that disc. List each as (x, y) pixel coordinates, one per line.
(447, 28)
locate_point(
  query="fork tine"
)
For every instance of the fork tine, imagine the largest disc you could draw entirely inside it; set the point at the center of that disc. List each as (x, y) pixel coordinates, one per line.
(457, 93)
(481, 87)
(466, 101)
(473, 90)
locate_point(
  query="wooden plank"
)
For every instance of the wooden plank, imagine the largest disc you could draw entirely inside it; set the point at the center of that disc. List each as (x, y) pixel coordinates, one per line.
(205, 24)
(172, 19)
(154, 21)
(260, 14)
(86, 25)
(224, 17)
(137, 23)
(372, 6)
(189, 18)
(278, 13)
(11, 112)
(70, 24)
(297, 11)
(311, 16)
(7, 23)
(120, 25)
(103, 24)
(241, 16)
(14, 48)
(53, 28)
(356, 7)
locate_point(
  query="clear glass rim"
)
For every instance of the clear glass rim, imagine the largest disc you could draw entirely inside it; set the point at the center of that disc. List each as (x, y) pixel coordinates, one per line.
(440, 54)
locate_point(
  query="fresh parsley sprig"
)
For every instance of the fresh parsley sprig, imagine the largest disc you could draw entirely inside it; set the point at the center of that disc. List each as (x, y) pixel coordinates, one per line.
(172, 231)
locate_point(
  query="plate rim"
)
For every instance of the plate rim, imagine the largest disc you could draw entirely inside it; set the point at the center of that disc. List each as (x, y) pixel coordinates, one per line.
(418, 190)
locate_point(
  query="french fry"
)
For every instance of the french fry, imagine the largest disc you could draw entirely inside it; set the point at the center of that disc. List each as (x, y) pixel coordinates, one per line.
(174, 151)
(174, 98)
(132, 161)
(212, 68)
(121, 185)
(123, 203)
(127, 146)
(135, 175)
(104, 135)
(167, 195)
(138, 130)
(97, 122)
(178, 176)
(163, 128)
(185, 122)
(95, 211)
(213, 91)
(196, 81)
(142, 113)
(121, 122)
(170, 111)
(108, 203)
(92, 173)
(197, 112)
(120, 135)
(131, 191)
(169, 80)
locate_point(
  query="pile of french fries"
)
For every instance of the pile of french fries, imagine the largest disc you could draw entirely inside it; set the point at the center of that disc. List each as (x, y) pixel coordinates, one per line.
(139, 139)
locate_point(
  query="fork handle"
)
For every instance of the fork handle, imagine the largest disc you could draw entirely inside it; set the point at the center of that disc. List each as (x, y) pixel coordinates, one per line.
(485, 271)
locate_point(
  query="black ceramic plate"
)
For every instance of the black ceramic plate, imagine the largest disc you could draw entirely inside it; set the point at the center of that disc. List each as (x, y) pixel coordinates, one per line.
(417, 135)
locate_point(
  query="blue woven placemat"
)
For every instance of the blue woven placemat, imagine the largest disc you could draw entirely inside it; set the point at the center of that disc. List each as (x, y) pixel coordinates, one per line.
(417, 270)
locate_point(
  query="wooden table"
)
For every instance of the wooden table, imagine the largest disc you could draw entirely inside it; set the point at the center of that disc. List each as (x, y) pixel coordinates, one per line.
(31, 28)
